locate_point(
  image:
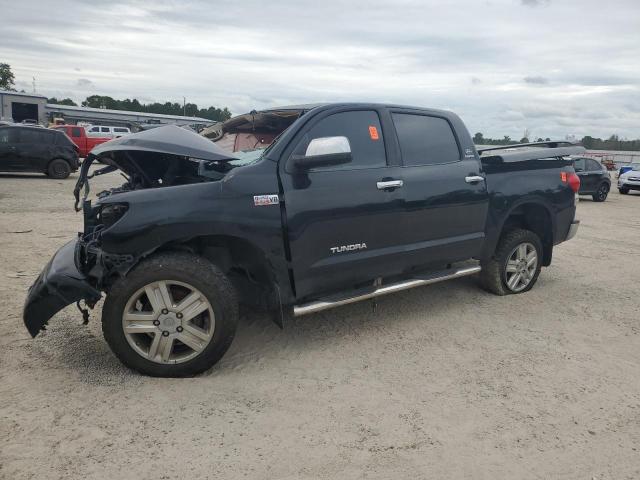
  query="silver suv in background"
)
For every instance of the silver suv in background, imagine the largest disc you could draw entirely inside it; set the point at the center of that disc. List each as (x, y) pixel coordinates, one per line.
(106, 131)
(629, 180)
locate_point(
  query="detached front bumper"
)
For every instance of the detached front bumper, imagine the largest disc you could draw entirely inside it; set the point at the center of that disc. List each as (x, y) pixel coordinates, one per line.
(60, 284)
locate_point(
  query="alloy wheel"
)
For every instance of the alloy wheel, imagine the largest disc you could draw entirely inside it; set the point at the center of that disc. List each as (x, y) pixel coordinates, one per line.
(521, 267)
(168, 322)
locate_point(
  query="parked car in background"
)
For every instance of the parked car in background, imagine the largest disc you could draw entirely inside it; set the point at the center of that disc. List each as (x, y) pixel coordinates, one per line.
(34, 149)
(630, 180)
(31, 121)
(107, 131)
(78, 135)
(595, 180)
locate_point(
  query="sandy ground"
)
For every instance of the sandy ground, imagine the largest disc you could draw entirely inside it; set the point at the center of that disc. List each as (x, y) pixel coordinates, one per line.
(440, 382)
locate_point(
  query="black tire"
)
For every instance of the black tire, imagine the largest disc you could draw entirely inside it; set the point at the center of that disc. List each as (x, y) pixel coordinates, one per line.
(58, 168)
(182, 267)
(493, 274)
(623, 190)
(601, 193)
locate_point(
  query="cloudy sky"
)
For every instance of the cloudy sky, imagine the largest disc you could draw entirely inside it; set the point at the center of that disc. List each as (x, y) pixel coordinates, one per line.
(554, 67)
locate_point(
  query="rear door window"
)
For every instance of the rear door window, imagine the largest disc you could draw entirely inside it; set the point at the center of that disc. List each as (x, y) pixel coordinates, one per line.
(362, 128)
(593, 166)
(35, 136)
(425, 140)
(105, 129)
(578, 165)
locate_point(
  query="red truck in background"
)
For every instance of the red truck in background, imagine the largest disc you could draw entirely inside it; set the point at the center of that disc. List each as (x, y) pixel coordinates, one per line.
(78, 135)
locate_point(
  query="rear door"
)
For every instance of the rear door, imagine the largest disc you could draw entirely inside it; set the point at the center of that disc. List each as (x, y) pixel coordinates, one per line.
(8, 149)
(342, 221)
(35, 148)
(594, 174)
(589, 176)
(444, 190)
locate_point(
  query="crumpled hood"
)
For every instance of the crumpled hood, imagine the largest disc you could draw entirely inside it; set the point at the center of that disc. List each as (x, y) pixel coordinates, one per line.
(169, 140)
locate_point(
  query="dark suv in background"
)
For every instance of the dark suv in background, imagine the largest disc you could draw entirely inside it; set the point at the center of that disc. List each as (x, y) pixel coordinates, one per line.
(595, 180)
(35, 149)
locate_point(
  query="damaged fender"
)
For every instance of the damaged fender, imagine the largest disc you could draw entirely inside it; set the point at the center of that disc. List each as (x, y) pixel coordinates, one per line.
(60, 284)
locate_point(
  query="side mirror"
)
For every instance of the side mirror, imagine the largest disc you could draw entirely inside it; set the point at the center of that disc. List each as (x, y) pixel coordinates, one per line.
(323, 152)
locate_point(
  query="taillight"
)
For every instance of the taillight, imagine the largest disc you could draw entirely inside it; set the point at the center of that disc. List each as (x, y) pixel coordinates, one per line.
(574, 182)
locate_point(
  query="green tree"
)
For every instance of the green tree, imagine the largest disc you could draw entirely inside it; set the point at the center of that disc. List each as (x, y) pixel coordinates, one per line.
(167, 108)
(478, 139)
(524, 140)
(7, 80)
(63, 101)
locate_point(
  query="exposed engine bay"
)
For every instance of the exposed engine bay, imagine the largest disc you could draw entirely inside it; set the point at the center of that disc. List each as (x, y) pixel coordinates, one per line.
(164, 156)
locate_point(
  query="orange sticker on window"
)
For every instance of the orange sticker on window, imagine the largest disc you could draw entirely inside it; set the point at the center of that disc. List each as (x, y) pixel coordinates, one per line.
(373, 132)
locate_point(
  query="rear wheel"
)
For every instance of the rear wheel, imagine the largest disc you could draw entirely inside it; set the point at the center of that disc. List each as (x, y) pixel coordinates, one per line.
(623, 190)
(174, 315)
(59, 168)
(515, 265)
(601, 193)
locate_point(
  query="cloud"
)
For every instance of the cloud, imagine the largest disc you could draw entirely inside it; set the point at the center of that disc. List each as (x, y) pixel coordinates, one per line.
(427, 53)
(85, 84)
(536, 80)
(534, 3)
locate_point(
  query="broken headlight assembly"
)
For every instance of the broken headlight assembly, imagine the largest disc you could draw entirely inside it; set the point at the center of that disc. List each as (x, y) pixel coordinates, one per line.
(110, 213)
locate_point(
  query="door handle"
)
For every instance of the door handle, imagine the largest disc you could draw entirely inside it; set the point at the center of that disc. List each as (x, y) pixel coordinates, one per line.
(389, 184)
(474, 179)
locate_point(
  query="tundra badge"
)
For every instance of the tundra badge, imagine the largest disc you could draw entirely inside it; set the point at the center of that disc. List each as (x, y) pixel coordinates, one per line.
(349, 248)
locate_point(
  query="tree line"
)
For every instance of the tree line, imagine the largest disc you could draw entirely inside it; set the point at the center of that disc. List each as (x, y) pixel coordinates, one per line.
(590, 143)
(167, 108)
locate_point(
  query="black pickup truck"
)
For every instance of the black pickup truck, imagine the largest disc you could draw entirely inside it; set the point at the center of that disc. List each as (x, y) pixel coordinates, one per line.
(351, 201)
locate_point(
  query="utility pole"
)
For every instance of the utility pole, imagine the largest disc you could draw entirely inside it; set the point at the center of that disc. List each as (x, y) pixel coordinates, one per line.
(184, 106)
(34, 84)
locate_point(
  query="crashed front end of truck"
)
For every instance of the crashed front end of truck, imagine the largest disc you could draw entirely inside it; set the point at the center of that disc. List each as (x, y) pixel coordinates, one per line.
(83, 268)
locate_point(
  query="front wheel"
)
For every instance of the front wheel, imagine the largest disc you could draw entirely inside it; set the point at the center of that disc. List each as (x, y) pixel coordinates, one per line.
(623, 190)
(174, 315)
(601, 194)
(515, 265)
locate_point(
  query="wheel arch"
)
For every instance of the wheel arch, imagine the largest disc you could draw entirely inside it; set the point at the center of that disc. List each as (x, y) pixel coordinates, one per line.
(533, 215)
(246, 264)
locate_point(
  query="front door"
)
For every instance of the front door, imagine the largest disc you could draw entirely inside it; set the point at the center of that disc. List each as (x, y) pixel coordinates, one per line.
(445, 191)
(342, 220)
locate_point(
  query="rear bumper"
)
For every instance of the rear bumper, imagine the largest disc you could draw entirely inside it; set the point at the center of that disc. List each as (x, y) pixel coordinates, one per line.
(573, 229)
(60, 284)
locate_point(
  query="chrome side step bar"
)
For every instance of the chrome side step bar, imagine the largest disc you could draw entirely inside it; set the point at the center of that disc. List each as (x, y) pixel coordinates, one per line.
(331, 302)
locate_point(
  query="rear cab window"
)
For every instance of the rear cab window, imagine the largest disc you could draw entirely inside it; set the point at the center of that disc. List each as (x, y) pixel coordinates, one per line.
(362, 129)
(425, 139)
(75, 132)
